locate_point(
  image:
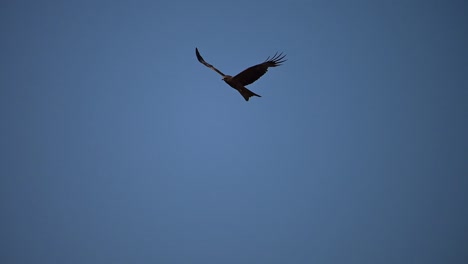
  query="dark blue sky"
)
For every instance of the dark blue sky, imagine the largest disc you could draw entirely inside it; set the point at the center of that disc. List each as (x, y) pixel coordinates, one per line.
(118, 146)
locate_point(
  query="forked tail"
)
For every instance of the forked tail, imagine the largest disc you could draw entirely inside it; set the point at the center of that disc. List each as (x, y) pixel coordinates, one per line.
(246, 93)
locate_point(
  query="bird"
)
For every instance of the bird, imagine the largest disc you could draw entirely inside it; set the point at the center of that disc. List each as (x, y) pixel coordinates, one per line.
(247, 76)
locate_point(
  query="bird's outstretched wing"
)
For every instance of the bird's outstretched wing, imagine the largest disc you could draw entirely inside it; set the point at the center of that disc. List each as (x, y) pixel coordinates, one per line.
(253, 73)
(200, 59)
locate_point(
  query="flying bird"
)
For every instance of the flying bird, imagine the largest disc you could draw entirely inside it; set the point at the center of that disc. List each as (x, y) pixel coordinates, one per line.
(248, 75)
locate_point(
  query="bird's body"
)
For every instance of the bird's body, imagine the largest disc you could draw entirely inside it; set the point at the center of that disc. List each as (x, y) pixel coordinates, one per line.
(247, 76)
(246, 93)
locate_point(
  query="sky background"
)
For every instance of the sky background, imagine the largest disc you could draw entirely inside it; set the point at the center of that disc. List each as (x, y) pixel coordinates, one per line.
(118, 146)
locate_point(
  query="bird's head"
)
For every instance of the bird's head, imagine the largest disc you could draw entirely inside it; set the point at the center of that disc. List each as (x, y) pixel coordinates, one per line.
(227, 77)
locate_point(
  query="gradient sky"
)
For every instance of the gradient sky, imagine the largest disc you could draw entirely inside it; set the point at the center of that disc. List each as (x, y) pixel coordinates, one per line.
(118, 146)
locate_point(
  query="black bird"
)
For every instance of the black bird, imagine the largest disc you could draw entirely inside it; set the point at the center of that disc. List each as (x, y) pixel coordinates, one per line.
(248, 75)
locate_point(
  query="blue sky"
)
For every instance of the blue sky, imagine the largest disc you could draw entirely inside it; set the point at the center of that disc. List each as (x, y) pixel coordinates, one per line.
(118, 146)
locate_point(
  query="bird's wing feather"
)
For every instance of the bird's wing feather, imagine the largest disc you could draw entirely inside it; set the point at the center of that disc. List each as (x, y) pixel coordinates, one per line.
(200, 59)
(253, 73)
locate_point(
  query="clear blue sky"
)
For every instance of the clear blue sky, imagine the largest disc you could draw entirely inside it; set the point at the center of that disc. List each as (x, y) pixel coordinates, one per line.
(118, 146)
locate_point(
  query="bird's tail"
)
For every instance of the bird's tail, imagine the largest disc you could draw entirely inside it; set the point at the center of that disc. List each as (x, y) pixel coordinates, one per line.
(246, 93)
